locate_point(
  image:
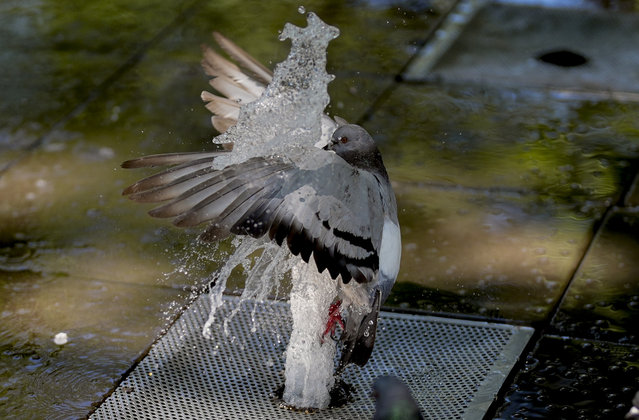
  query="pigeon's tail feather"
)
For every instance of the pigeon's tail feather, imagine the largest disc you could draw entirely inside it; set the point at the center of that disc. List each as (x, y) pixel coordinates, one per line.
(299, 240)
(184, 185)
(168, 176)
(229, 217)
(172, 189)
(184, 205)
(224, 204)
(222, 124)
(256, 221)
(185, 166)
(231, 89)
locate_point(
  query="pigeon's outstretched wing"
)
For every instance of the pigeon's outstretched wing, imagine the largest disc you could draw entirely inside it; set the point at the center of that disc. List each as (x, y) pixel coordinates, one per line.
(238, 81)
(333, 211)
(237, 85)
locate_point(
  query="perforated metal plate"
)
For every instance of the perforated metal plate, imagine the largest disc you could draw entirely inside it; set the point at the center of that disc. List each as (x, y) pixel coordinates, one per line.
(454, 368)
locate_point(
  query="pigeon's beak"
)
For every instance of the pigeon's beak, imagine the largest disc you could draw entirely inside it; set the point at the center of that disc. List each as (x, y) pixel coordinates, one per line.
(330, 144)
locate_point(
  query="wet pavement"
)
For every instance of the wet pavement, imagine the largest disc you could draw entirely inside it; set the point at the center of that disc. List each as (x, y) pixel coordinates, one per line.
(517, 180)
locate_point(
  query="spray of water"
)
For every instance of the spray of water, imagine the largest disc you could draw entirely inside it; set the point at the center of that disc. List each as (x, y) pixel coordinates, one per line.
(287, 121)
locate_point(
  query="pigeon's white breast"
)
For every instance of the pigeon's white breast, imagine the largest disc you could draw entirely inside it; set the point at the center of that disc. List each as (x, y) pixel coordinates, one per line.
(390, 252)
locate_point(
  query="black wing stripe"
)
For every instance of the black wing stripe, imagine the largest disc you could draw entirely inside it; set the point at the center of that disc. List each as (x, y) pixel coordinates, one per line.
(364, 243)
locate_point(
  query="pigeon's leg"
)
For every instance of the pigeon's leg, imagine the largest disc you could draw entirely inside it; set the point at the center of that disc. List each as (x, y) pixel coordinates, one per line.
(334, 319)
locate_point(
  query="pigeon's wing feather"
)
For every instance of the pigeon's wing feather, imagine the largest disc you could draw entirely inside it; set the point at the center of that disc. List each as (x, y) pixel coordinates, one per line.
(240, 85)
(244, 59)
(215, 66)
(232, 82)
(331, 211)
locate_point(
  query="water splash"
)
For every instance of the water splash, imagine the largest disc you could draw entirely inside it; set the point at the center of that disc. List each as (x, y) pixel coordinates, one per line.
(287, 121)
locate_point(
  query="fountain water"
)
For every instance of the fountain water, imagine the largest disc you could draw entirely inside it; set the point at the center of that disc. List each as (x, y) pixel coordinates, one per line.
(287, 121)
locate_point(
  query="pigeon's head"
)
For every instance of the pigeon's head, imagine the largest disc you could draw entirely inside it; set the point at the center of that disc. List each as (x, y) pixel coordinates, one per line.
(351, 139)
(353, 144)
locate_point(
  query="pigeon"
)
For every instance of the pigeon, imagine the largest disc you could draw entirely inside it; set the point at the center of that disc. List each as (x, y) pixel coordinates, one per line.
(633, 413)
(336, 207)
(394, 400)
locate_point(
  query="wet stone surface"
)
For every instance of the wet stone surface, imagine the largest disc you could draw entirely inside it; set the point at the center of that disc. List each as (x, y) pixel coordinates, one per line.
(514, 141)
(106, 324)
(602, 302)
(508, 45)
(499, 192)
(54, 54)
(488, 254)
(632, 198)
(574, 379)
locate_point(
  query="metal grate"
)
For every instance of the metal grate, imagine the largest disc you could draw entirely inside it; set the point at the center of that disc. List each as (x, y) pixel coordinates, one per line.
(453, 367)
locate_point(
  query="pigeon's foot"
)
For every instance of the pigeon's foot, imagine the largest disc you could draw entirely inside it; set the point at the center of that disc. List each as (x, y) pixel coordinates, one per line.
(278, 396)
(334, 319)
(341, 393)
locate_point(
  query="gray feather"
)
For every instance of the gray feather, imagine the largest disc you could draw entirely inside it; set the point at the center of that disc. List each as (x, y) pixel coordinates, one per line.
(244, 59)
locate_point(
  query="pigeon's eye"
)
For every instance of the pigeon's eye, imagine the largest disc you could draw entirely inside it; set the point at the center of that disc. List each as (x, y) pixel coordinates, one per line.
(343, 139)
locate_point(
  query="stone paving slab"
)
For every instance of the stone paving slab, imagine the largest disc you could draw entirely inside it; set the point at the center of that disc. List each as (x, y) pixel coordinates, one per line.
(62, 213)
(506, 45)
(54, 54)
(107, 325)
(512, 141)
(489, 254)
(632, 198)
(500, 191)
(602, 302)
